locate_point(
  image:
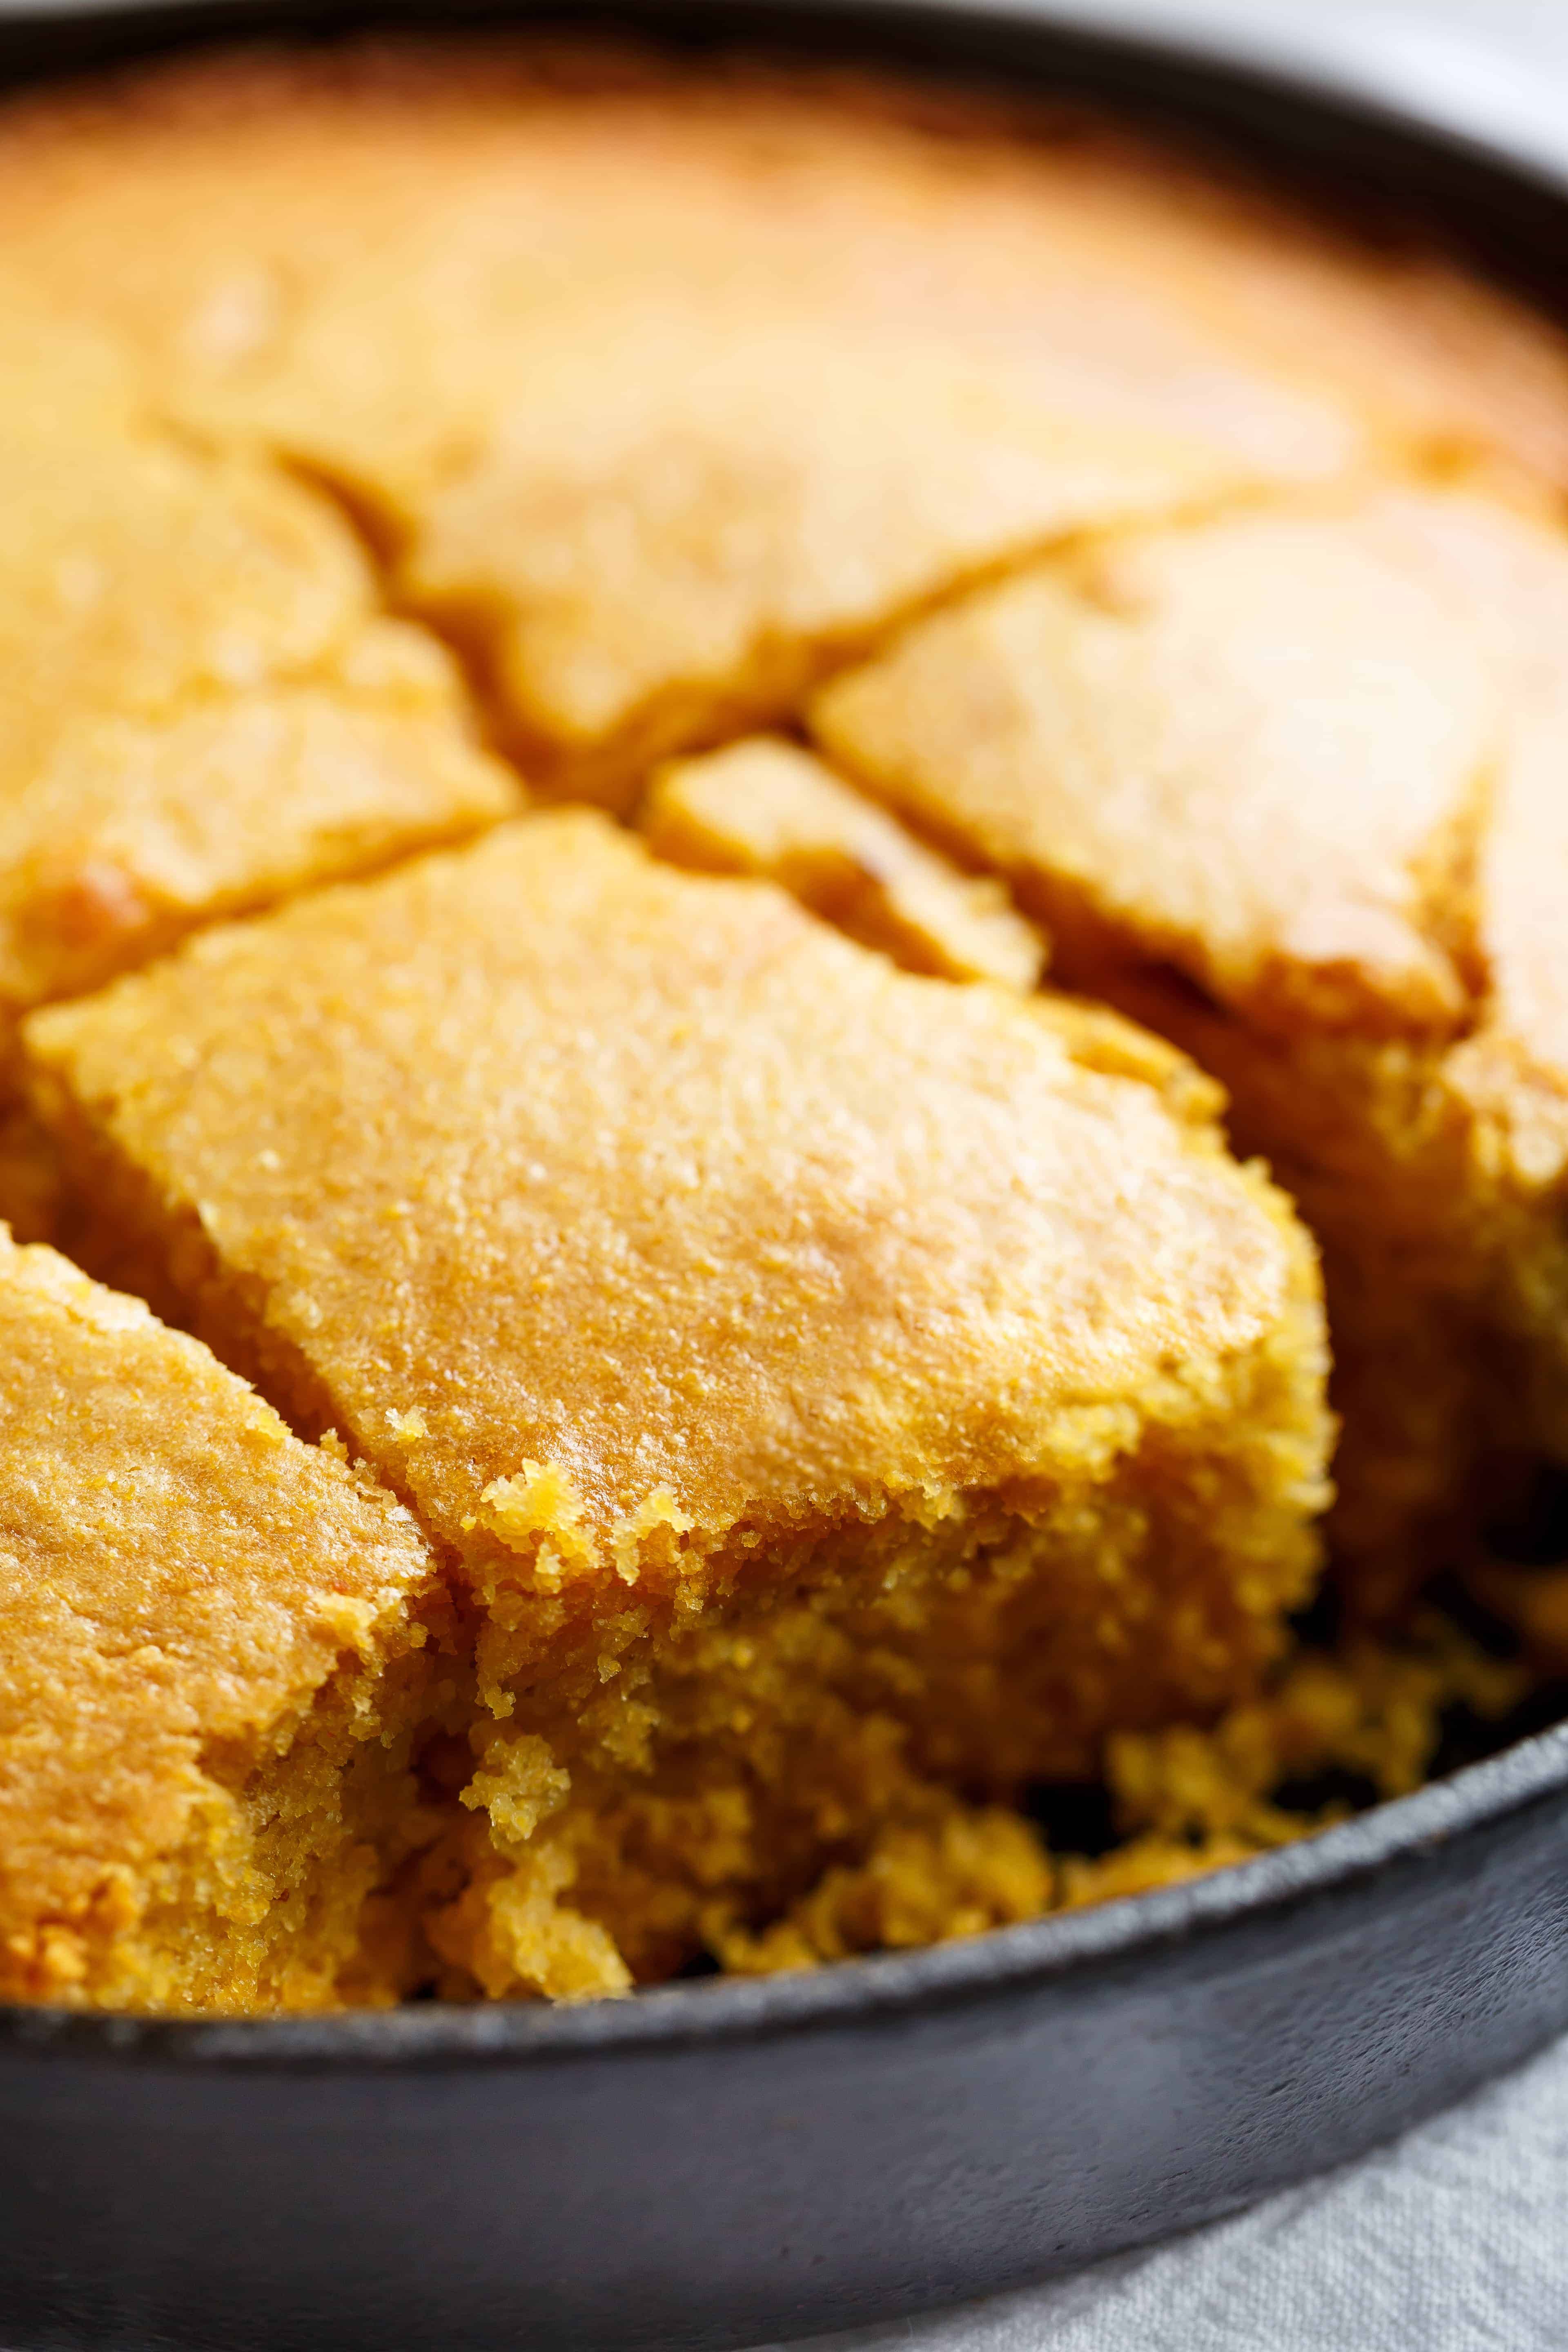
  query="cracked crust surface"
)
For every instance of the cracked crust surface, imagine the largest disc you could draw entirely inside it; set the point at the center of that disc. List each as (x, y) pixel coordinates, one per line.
(1291, 790)
(665, 389)
(565, 1154)
(205, 707)
(767, 808)
(816, 1380)
(816, 1377)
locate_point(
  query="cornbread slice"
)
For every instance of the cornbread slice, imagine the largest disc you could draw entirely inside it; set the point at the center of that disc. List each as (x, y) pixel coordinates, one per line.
(816, 1377)
(1289, 787)
(766, 809)
(209, 1652)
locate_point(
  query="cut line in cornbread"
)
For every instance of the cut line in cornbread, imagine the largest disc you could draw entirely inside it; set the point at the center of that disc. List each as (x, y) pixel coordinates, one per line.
(814, 1377)
(1289, 788)
(664, 387)
(664, 390)
(210, 1657)
(204, 708)
(767, 808)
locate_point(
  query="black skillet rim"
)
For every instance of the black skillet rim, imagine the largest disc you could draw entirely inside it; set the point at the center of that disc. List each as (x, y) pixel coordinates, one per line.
(1463, 1805)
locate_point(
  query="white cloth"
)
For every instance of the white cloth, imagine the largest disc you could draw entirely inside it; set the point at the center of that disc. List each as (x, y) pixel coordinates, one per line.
(1455, 2238)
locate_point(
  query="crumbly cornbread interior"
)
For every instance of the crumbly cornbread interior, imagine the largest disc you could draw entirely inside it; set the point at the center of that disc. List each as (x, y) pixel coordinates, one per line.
(751, 1413)
(213, 1647)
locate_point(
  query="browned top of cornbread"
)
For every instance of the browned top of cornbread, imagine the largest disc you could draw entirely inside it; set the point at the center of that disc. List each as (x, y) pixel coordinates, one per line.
(1256, 747)
(596, 1199)
(202, 707)
(1314, 760)
(178, 1578)
(1508, 573)
(667, 385)
(765, 808)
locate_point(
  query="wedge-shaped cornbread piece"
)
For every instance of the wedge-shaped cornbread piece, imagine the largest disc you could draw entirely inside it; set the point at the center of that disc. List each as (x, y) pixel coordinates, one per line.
(767, 808)
(208, 1656)
(1255, 747)
(666, 386)
(814, 1374)
(1312, 765)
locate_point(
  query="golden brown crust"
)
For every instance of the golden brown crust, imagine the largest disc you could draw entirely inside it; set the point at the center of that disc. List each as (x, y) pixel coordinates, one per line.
(825, 1388)
(605, 348)
(204, 708)
(1330, 798)
(651, 1183)
(765, 808)
(1257, 749)
(179, 1580)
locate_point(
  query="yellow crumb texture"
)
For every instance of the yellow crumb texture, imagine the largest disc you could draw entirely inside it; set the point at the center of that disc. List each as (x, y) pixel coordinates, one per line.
(765, 808)
(209, 1635)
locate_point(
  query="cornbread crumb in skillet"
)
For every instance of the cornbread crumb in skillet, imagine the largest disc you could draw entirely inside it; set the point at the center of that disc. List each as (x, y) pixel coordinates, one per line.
(210, 1650)
(768, 809)
(204, 709)
(819, 1377)
(1290, 789)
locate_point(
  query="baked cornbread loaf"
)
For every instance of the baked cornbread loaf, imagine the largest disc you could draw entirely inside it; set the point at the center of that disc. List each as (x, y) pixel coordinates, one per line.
(793, 1359)
(1289, 787)
(765, 808)
(211, 1655)
(816, 1402)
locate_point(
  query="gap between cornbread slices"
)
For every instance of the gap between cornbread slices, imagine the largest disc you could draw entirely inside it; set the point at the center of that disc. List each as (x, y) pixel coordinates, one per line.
(814, 1377)
(1290, 789)
(204, 708)
(662, 387)
(213, 1650)
(765, 808)
(662, 397)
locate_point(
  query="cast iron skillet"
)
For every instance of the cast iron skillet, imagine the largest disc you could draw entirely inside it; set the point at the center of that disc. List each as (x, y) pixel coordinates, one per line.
(719, 2163)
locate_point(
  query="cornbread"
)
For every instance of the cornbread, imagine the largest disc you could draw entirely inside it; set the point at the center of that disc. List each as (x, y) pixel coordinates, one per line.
(204, 708)
(765, 808)
(1288, 786)
(774, 1397)
(664, 390)
(803, 1367)
(210, 1632)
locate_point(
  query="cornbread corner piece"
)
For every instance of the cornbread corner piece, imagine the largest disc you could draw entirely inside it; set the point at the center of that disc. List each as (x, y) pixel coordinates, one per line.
(207, 1630)
(767, 808)
(205, 709)
(1288, 788)
(820, 1376)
